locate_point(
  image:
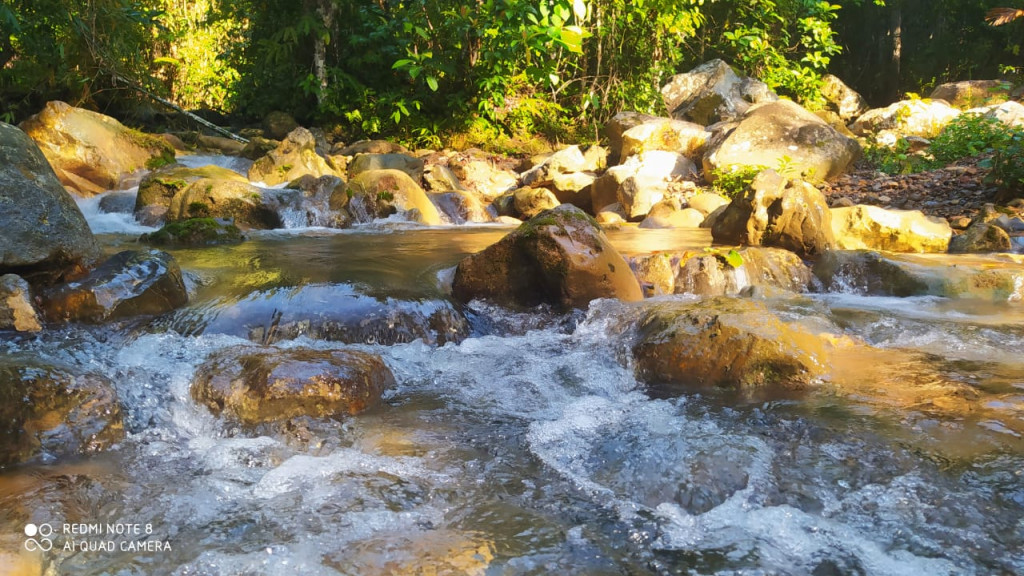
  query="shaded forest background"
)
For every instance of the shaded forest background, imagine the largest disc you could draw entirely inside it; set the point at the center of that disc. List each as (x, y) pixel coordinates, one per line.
(421, 70)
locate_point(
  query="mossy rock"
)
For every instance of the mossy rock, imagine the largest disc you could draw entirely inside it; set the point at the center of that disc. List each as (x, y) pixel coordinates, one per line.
(159, 187)
(195, 232)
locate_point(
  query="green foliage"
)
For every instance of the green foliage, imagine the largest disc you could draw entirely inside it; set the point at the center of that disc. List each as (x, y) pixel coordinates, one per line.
(968, 135)
(733, 180)
(734, 259)
(895, 159)
(198, 210)
(1007, 164)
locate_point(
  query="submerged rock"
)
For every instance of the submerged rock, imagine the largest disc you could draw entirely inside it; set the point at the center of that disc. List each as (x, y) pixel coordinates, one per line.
(327, 312)
(195, 232)
(865, 227)
(130, 283)
(774, 211)
(17, 312)
(723, 342)
(53, 411)
(561, 257)
(254, 384)
(43, 235)
(90, 152)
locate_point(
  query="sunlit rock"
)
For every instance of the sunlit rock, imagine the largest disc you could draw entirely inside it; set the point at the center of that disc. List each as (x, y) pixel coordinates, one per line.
(242, 203)
(529, 202)
(294, 157)
(840, 98)
(365, 162)
(380, 193)
(17, 311)
(864, 227)
(724, 342)
(159, 187)
(924, 118)
(973, 93)
(718, 273)
(560, 257)
(686, 138)
(711, 93)
(90, 152)
(255, 384)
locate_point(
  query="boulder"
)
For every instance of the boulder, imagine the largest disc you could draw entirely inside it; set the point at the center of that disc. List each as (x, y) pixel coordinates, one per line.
(369, 147)
(43, 235)
(49, 411)
(460, 207)
(220, 145)
(485, 175)
(718, 274)
(560, 257)
(130, 283)
(846, 102)
(294, 157)
(864, 227)
(1009, 113)
(258, 147)
(242, 203)
(438, 178)
(160, 186)
(924, 118)
(785, 136)
(712, 93)
(365, 162)
(686, 138)
(254, 384)
(973, 93)
(574, 188)
(723, 342)
(981, 236)
(117, 203)
(610, 218)
(774, 211)
(277, 125)
(641, 181)
(380, 193)
(669, 213)
(17, 312)
(707, 202)
(195, 232)
(529, 202)
(618, 126)
(90, 152)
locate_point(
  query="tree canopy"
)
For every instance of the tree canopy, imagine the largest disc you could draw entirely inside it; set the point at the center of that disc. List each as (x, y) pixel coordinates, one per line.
(418, 69)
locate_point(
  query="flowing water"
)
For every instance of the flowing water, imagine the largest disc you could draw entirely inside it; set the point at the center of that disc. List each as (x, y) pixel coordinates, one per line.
(522, 443)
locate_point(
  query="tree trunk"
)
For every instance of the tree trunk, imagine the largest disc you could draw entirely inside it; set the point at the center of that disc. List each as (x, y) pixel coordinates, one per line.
(325, 10)
(896, 57)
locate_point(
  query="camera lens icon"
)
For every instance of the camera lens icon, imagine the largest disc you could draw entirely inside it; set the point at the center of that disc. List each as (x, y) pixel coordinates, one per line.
(43, 543)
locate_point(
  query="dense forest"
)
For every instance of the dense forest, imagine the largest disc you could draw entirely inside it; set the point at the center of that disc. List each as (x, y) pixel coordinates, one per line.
(422, 70)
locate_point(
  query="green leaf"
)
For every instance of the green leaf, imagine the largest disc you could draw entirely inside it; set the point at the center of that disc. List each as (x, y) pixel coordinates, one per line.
(432, 83)
(401, 63)
(734, 259)
(579, 8)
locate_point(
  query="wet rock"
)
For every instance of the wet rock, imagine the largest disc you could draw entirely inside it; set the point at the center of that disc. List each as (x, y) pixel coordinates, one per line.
(712, 93)
(775, 212)
(258, 147)
(277, 125)
(159, 187)
(254, 384)
(17, 312)
(195, 232)
(782, 133)
(460, 207)
(90, 152)
(723, 342)
(43, 235)
(49, 411)
(220, 145)
(712, 274)
(607, 218)
(685, 138)
(617, 126)
(484, 174)
(872, 228)
(365, 162)
(242, 203)
(994, 278)
(438, 178)
(422, 552)
(560, 257)
(529, 202)
(669, 213)
(336, 313)
(380, 193)
(924, 118)
(295, 157)
(846, 102)
(130, 283)
(117, 203)
(318, 202)
(981, 237)
(972, 93)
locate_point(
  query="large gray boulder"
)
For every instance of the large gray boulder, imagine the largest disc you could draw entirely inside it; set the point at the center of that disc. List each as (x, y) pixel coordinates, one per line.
(783, 135)
(778, 212)
(43, 234)
(712, 93)
(973, 93)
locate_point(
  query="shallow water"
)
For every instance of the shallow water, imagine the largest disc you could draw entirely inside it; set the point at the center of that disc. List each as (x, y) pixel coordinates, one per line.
(527, 446)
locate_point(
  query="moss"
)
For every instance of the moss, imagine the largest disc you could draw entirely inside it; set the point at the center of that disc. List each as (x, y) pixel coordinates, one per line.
(165, 158)
(194, 232)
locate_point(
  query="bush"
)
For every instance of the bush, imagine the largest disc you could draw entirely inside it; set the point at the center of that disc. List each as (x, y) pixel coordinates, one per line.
(1007, 165)
(733, 180)
(968, 135)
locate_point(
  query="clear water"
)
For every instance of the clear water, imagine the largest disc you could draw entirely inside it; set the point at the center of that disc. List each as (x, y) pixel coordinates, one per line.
(529, 447)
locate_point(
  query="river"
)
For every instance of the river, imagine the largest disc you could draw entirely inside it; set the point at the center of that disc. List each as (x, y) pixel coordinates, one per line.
(526, 445)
